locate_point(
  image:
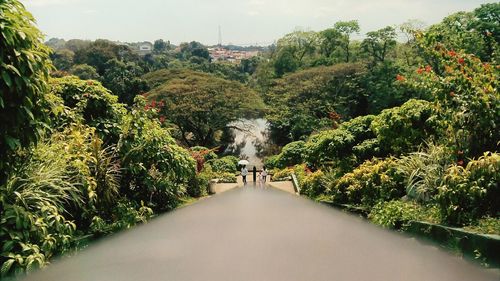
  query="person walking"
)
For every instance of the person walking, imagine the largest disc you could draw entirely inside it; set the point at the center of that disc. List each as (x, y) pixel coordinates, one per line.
(261, 181)
(244, 173)
(264, 174)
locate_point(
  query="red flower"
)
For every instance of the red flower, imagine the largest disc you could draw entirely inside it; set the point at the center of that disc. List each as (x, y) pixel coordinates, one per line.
(153, 104)
(146, 107)
(452, 53)
(461, 60)
(400, 77)
(428, 68)
(420, 70)
(162, 119)
(460, 162)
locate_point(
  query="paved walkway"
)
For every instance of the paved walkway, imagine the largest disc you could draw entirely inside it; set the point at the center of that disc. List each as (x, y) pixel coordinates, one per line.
(282, 185)
(261, 234)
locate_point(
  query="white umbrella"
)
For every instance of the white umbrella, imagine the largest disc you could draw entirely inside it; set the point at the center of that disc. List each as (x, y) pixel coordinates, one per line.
(243, 162)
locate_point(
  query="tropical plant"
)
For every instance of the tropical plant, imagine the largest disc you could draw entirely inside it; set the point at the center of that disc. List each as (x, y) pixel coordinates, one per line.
(424, 171)
(155, 168)
(92, 104)
(465, 91)
(469, 193)
(372, 182)
(397, 214)
(24, 70)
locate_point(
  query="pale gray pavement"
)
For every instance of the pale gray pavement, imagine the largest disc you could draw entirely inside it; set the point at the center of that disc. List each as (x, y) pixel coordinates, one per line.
(261, 234)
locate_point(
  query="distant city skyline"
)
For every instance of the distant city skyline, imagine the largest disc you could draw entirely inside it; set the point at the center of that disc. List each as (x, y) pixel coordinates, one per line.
(242, 22)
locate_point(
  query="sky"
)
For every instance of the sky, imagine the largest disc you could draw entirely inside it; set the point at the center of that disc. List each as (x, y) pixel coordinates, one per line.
(242, 22)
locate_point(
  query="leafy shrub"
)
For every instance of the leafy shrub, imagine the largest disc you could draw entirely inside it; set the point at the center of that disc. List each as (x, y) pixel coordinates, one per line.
(92, 103)
(470, 193)
(466, 92)
(314, 184)
(397, 214)
(24, 71)
(486, 225)
(32, 227)
(89, 165)
(349, 145)
(371, 182)
(227, 164)
(271, 162)
(281, 175)
(291, 154)
(31, 237)
(127, 213)
(424, 171)
(155, 168)
(331, 148)
(402, 129)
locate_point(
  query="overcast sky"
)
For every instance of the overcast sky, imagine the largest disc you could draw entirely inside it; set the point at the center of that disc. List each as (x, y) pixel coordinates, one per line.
(242, 21)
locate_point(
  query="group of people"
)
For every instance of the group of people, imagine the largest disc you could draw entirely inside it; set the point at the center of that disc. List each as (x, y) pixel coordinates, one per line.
(261, 176)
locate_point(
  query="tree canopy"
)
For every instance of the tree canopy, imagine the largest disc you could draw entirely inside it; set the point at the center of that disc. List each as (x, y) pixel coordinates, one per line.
(200, 104)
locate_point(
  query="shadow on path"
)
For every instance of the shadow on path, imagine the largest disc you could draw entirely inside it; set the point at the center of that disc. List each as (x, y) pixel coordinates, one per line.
(261, 234)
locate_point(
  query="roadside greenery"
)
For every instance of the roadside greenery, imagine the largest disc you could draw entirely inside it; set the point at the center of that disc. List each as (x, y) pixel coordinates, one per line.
(429, 149)
(96, 138)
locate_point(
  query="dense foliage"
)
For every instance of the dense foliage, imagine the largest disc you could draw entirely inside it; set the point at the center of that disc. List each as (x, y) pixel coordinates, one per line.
(24, 70)
(429, 151)
(404, 130)
(201, 105)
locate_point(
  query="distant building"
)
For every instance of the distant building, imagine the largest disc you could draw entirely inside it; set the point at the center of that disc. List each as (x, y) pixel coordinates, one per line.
(232, 56)
(145, 48)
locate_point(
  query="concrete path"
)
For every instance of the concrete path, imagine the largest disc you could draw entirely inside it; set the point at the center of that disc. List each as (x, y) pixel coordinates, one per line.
(261, 234)
(286, 186)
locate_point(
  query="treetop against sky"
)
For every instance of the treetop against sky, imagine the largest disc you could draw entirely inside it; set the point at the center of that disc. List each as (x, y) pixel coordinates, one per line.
(243, 22)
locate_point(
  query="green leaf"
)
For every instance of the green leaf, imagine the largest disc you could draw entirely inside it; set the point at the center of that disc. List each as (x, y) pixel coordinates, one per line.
(6, 266)
(12, 142)
(6, 78)
(7, 246)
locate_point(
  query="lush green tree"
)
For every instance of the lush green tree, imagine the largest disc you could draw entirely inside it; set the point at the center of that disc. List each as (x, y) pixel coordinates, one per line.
(377, 44)
(194, 49)
(91, 104)
(99, 52)
(330, 39)
(250, 65)
(155, 169)
(160, 46)
(62, 59)
(466, 94)
(24, 70)
(311, 99)
(202, 105)
(285, 61)
(84, 72)
(77, 44)
(123, 79)
(346, 29)
(487, 23)
(56, 43)
(301, 42)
